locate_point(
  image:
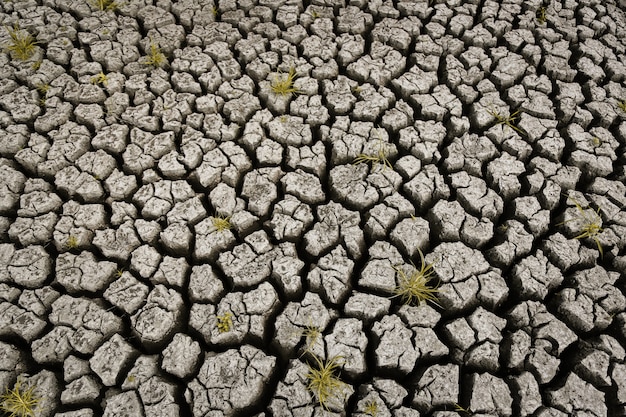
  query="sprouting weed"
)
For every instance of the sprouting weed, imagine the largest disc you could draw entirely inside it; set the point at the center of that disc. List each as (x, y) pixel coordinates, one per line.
(371, 408)
(100, 78)
(542, 15)
(155, 57)
(131, 378)
(36, 65)
(19, 402)
(43, 88)
(282, 84)
(590, 224)
(311, 334)
(507, 120)
(119, 273)
(622, 105)
(71, 242)
(377, 159)
(596, 141)
(459, 408)
(22, 45)
(414, 288)
(324, 380)
(225, 322)
(105, 5)
(221, 223)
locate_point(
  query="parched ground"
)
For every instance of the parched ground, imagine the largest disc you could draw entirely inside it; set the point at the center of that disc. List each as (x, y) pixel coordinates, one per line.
(202, 203)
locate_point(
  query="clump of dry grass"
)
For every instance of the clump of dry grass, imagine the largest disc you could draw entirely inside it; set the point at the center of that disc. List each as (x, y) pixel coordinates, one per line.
(416, 287)
(323, 379)
(19, 402)
(22, 44)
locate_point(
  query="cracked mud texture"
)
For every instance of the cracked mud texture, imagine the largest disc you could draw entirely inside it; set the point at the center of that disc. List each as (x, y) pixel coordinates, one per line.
(179, 239)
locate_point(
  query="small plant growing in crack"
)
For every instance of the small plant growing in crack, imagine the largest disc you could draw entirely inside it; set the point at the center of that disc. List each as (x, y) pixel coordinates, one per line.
(459, 408)
(510, 120)
(415, 287)
(371, 408)
(100, 78)
(377, 159)
(20, 401)
(105, 5)
(283, 84)
(542, 15)
(595, 141)
(323, 380)
(221, 223)
(22, 44)
(154, 57)
(311, 335)
(225, 322)
(621, 105)
(43, 88)
(71, 242)
(588, 222)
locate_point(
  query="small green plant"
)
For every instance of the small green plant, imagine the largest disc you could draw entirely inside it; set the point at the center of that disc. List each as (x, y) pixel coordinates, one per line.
(377, 159)
(622, 105)
(323, 378)
(155, 57)
(589, 223)
(105, 5)
(542, 15)
(221, 223)
(509, 121)
(22, 44)
(43, 88)
(71, 242)
(311, 334)
(371, 408)
(282, 84)
(414, 288)
(596, 141)
(225, 322)
(460, 409)
(19, 402)
(100, 78)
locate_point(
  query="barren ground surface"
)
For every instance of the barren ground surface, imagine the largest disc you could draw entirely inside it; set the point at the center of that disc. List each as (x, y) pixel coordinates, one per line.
(179, 237)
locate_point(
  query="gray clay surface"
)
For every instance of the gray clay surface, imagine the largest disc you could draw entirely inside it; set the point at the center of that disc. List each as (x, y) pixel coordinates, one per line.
(204, 201)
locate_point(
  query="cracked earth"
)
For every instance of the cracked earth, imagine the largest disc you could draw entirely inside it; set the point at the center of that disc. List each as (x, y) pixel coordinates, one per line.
(177, 239)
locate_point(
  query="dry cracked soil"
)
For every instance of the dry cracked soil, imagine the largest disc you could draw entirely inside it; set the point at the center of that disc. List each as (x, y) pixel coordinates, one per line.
(298, 208)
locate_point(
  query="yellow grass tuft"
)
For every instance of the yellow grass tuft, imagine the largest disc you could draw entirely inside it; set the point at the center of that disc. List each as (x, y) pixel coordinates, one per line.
(324, 380)
(19, 402)
(415, 288)
(282, 84)
(22, 44)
